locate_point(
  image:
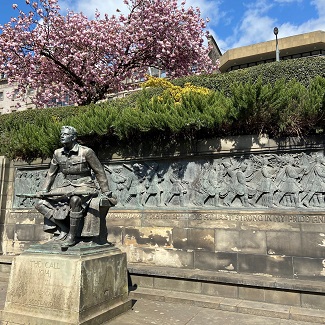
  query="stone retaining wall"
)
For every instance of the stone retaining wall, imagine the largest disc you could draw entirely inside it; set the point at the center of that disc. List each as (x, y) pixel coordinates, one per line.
(246, 205)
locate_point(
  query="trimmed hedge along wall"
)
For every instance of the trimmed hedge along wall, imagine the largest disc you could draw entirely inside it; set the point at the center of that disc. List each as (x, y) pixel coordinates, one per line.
(281, 99)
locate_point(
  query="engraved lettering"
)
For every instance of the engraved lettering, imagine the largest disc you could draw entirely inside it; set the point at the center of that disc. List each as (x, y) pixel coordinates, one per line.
(52, 265)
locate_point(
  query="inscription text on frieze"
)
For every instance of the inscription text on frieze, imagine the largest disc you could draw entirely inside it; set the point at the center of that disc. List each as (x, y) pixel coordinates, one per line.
(320, 219)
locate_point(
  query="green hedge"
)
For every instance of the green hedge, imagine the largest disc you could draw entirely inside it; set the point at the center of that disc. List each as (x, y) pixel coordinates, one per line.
(302, 70)
(246, 104)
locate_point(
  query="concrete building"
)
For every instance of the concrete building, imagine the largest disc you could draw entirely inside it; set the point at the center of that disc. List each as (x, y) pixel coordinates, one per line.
(8, 105)
(303, 45)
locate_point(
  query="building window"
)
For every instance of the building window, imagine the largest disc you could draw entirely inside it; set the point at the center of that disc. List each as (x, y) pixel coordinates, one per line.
(15, 95)
(30, 92)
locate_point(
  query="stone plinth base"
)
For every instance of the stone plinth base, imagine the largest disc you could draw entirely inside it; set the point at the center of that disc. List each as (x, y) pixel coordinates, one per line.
(88, 287)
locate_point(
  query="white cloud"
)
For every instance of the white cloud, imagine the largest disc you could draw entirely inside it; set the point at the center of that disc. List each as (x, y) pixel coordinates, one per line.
(287, 1)
(320, 6)
(208, 8)
(88, 7)
(317, 23)
(255, 25)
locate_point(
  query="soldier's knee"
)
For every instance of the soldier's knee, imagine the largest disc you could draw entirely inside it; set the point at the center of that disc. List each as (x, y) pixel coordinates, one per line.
(39, 204)
(75, 201)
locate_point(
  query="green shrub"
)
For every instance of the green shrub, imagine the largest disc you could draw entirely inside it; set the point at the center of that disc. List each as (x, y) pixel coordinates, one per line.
(302, 70)
(280, 99)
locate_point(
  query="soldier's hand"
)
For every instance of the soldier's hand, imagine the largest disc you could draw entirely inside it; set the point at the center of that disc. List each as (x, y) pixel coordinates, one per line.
(40, 194)
(107, 194)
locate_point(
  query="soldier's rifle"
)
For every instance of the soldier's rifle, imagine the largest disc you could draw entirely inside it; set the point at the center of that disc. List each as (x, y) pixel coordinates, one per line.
(41, 195)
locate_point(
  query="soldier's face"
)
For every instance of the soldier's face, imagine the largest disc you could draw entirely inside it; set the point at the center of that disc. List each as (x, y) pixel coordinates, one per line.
(66, 137)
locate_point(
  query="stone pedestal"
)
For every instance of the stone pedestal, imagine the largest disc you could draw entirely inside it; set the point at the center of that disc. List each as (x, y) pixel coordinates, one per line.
(84, 285)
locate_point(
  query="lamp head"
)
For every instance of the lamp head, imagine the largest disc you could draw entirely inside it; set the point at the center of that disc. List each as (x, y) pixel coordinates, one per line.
(276, 31)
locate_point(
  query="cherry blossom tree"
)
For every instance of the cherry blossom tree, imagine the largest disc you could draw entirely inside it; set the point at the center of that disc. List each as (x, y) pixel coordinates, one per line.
(70, 55)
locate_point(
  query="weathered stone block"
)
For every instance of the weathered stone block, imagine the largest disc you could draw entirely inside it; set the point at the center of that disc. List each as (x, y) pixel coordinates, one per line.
(159, 256)
(282, 297)
(249, 293)
(265, 265)
(313, 301)
(159, 236)
(10, 231)
(173, 258)
(39, 234)
(227, 240)
(313, 244)
(69, 289)
(201, 239)
(253, 242)
(180, 238)
(284, 243)
(115, 235)
(25, 232)
(220, 290)
(177, 285)
(311, 268)
(142, 281)
(246, 241)
(2, 210)
(215, 261)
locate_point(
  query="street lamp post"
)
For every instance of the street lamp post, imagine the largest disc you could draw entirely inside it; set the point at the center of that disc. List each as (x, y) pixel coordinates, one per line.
(277, 51)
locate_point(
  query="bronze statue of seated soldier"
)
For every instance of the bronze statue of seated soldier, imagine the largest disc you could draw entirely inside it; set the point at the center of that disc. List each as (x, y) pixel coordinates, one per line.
(72, 204)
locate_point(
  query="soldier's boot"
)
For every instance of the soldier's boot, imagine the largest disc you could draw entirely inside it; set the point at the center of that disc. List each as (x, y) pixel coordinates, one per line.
(64, 230)
(60, 224)
(75, 218)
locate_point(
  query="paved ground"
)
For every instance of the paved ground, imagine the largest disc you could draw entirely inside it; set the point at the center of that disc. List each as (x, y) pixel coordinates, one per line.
(148, 312)
(155, 312)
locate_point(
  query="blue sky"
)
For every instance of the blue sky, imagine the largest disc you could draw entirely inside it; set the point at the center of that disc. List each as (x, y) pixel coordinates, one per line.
(233, 23)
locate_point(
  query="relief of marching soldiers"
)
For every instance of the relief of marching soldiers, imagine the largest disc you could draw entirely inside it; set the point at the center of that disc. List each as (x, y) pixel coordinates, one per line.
(260, 181)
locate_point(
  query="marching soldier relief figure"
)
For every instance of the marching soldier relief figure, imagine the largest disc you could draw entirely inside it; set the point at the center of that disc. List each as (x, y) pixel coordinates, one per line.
(74, 202)
(257, 181)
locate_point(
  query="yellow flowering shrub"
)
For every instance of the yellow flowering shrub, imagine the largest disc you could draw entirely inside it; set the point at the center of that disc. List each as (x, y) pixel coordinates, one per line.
(176, 92)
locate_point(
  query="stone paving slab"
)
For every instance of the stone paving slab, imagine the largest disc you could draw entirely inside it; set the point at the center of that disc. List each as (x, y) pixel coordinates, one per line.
(178, 308)
(241, 307)
(148, 312)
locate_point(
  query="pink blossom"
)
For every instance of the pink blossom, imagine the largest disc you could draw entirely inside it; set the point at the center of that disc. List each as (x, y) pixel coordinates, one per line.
(71, 55)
